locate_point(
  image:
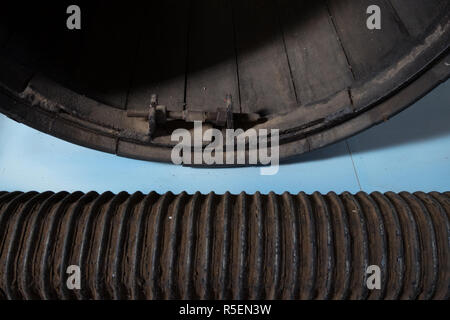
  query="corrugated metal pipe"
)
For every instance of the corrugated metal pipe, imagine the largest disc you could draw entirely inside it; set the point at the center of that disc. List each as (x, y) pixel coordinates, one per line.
(224, 246)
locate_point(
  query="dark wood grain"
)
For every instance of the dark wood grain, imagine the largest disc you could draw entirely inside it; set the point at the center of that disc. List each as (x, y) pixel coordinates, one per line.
(212, 59)
(318, 62)
(265, 81)
(160, 66)
(418, 15)
(368, 51)
(109, 50)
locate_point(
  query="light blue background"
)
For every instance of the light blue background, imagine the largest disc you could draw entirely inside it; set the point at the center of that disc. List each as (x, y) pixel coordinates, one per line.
(408, 153)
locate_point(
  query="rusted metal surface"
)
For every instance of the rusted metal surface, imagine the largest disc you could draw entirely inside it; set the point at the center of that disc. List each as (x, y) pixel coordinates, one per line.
(223, 117)
(224, 246)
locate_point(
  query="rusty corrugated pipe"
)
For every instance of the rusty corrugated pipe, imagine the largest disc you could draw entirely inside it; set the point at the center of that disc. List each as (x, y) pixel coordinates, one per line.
(224, 247)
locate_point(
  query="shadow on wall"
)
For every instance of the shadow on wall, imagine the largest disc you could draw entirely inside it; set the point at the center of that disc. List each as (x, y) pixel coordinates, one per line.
(427, 119)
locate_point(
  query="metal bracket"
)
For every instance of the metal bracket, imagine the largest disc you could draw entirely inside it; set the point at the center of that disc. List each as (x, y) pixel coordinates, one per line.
(159, 115)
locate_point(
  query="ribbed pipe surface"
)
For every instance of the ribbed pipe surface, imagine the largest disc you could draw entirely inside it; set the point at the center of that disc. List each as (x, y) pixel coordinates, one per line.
(224, 247)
